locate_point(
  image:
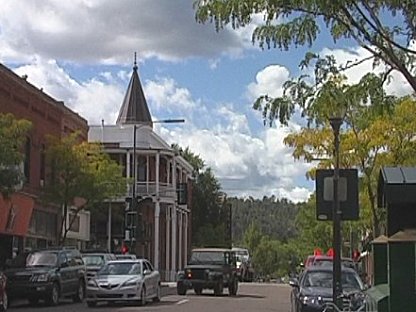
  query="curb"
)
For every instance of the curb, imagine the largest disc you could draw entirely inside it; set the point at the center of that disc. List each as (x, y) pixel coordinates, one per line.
(168, 288)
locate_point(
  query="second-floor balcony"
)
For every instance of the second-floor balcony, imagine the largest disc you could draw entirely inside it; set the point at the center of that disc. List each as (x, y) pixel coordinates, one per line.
(165, 191)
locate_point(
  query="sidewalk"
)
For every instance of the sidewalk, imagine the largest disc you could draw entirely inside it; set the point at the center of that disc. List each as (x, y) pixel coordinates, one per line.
(168, 288)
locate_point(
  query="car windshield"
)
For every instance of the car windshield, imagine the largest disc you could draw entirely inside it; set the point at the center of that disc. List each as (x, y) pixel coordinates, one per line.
(42, 259)
(323, 279)
(93, 260)
(241, 255)
(207, 256)
(122, 268)
(125, 257)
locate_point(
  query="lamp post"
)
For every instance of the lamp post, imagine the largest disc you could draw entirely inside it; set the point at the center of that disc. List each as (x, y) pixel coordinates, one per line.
(134, 202)
(336, 218)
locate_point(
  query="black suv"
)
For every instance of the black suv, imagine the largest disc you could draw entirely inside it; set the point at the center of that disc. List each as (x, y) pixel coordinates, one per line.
(47, 275)
(95, 259)
(209, 268)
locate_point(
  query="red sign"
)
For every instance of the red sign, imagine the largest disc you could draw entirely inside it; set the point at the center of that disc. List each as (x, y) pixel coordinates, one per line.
(15, 214)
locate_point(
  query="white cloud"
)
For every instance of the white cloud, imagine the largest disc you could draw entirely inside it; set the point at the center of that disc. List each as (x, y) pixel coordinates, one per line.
(108, 31)
(269, 81)
(398, 85)
(167, 96)
(95, 99)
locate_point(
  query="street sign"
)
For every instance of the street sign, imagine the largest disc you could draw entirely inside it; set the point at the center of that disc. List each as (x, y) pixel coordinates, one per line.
(347, 194)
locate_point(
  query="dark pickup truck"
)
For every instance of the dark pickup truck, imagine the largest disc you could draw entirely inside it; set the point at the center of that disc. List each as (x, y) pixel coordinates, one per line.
(209, 268)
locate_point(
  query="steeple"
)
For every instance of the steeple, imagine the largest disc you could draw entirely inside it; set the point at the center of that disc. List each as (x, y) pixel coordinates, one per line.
(134, 109)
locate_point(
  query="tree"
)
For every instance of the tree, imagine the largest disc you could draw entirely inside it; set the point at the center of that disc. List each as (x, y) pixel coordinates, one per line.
(194, 160)
(384, 28)
(370, 141)
(81, 175)
(12, 138)
(209, 207)
(252, 236)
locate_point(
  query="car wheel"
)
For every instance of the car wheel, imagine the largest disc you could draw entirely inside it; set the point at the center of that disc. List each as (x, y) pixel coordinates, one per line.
(91, 304)
(143, 296)
(198, 290)
(233, 287)
(53, 298)
(156, 298)
(219, 288)
(5, 303)
(181, 289)
(80, 294)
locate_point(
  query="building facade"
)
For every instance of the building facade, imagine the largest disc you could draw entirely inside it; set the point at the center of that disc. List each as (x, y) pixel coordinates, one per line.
(158, 226)
(25, 222)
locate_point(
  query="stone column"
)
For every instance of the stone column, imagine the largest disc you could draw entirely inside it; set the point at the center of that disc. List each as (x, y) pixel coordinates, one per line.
(157, 215)
(168, 220)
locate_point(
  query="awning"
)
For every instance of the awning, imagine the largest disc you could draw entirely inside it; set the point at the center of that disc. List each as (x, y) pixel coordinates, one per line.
(15, 214)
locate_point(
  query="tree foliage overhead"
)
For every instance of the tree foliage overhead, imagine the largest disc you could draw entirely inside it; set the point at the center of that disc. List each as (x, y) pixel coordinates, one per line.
(385, 28)
(12, 138)
(81, 176)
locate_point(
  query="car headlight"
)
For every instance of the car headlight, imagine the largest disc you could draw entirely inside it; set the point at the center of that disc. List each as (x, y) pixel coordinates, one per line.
(92, 283)
(310, 300)
(44, 277)
(129, 283)
(357, 300)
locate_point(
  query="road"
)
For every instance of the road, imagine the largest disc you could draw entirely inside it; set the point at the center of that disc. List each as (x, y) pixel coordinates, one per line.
(250, 297)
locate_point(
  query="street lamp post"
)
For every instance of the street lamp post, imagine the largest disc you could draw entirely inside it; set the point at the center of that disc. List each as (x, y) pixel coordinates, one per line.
(336, 218)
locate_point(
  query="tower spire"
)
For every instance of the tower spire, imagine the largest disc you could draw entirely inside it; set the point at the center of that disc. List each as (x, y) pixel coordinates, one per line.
(135, 61)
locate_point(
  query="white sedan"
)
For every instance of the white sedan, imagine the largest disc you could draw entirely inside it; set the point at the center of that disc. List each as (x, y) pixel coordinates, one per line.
(124, 280)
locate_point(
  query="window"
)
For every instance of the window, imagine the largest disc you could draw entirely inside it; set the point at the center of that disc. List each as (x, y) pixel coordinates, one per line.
(26, 164)
(42, 165)
(75, 222)
(141, 169)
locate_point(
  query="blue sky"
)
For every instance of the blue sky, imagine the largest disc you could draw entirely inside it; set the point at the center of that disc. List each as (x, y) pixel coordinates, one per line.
(81, 52)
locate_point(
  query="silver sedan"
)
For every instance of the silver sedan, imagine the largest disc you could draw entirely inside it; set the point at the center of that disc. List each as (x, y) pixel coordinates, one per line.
(124, 280)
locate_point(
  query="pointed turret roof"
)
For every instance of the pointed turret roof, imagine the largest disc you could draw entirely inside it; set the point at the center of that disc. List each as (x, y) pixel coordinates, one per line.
(134, 109)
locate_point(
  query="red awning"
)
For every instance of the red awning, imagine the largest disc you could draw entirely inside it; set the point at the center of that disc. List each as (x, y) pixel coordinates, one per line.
(15, 214)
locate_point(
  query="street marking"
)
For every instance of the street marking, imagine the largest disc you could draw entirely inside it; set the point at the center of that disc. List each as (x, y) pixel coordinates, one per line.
(182, 301)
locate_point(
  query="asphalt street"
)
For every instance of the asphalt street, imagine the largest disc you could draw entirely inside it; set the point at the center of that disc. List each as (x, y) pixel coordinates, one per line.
(261, 297)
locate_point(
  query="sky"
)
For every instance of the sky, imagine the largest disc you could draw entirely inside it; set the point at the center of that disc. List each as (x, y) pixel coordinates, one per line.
(82, 52)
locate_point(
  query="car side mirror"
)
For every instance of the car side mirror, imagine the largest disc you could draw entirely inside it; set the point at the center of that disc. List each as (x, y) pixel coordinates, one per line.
(146, 272)
(294, 282)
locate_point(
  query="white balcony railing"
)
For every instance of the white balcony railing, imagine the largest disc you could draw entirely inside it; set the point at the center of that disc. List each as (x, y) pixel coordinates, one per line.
(149, 189)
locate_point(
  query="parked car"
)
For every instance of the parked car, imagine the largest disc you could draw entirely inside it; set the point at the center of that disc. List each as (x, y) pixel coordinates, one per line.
(245, 269)
(124, 280)
(3, 294)
(47, 275)
(314, 289)
(125, 256)
(95, 260)
(328, 260)
(209, 268)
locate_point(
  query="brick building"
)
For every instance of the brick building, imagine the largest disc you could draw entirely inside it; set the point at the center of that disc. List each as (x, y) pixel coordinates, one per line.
(24, 221)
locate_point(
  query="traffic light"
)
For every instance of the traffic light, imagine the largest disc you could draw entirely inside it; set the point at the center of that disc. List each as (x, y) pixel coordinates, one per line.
(124, 249)
(356, 255)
